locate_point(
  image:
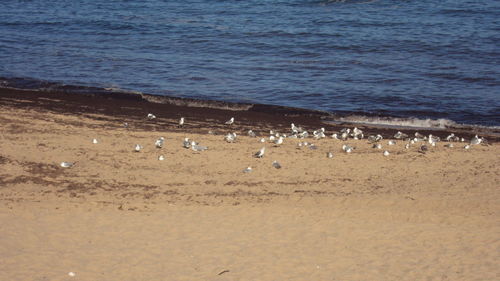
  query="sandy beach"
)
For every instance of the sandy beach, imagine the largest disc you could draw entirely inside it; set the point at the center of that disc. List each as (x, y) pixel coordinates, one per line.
(124, 215)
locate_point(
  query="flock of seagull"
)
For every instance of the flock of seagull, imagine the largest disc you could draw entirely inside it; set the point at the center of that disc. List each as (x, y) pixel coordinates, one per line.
(345, 134)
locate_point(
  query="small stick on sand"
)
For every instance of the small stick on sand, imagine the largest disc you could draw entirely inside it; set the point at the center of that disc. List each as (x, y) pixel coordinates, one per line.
(222, 272)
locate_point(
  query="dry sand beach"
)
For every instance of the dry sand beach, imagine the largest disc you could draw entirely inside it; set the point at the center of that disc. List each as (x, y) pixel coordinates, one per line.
(124, 215)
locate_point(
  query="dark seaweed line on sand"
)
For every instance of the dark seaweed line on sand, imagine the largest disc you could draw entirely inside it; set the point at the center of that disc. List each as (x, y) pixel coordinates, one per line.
(283, 115)
(53, 87)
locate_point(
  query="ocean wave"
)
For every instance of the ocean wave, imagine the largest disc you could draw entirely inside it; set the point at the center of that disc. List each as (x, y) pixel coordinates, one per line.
(333, 117)
(396, 122)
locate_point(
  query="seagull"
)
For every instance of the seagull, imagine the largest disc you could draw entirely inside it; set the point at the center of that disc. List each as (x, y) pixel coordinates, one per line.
(432, 139)
(230, 121)
(251, 134)
(419, 136)
(400, 135)
(279, 141)
(186, 143)
(467, 146)
(303, 135)
(329, 155)
(260, 153)
(377, 146)
(161, 157)
(372, 138)
(137, 148)
(94, 141)
(272, 138)
(313, 146)
(391, 142)
(231, 137)
(319, 134)
(345, 130)
(181, 122)
(247, 170)
(357, 133)
(407, 146)
(423, 148)
(276, 164)
(347, 148)
(476, 140)
(262, 140)
(67, 164)
(344, 136)
(125, 125)
(335, 136)
(196, 147)
(159, 142)
(451, 137)
(151, 116)
(386, 153)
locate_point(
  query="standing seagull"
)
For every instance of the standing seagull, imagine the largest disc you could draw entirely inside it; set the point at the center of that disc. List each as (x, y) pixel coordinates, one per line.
(476, 140)
(159, 142)
(231, 137)
(230, 121)
(186, 143)
(279, 141)
(181, 122)
(260, 153)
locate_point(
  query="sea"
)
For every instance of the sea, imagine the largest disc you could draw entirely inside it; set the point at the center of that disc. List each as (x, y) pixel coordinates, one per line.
(426, 63)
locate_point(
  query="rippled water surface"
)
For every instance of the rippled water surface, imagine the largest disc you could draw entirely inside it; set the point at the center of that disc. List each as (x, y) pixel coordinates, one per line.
(425, 59)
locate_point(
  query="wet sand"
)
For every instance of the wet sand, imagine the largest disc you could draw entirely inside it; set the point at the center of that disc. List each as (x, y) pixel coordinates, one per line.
(123, 215)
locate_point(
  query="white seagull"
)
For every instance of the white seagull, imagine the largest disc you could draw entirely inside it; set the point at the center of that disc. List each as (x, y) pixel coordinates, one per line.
(476, 140)
(186, 143)
(230, 121)
(137, 147)
(196, 147)
(67, 164)
(159, 142)
(279, 141)
(231, 137)
(260, 153)
(347, 148)
(151, 116)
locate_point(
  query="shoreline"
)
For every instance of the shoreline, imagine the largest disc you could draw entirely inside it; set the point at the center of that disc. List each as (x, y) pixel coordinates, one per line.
(250, 116)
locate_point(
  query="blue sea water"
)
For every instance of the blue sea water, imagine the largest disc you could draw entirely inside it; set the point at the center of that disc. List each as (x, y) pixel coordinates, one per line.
(423, 59)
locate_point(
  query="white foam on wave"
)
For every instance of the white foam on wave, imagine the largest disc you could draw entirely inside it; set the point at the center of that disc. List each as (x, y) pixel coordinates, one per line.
(415, 123)
(399, 122)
